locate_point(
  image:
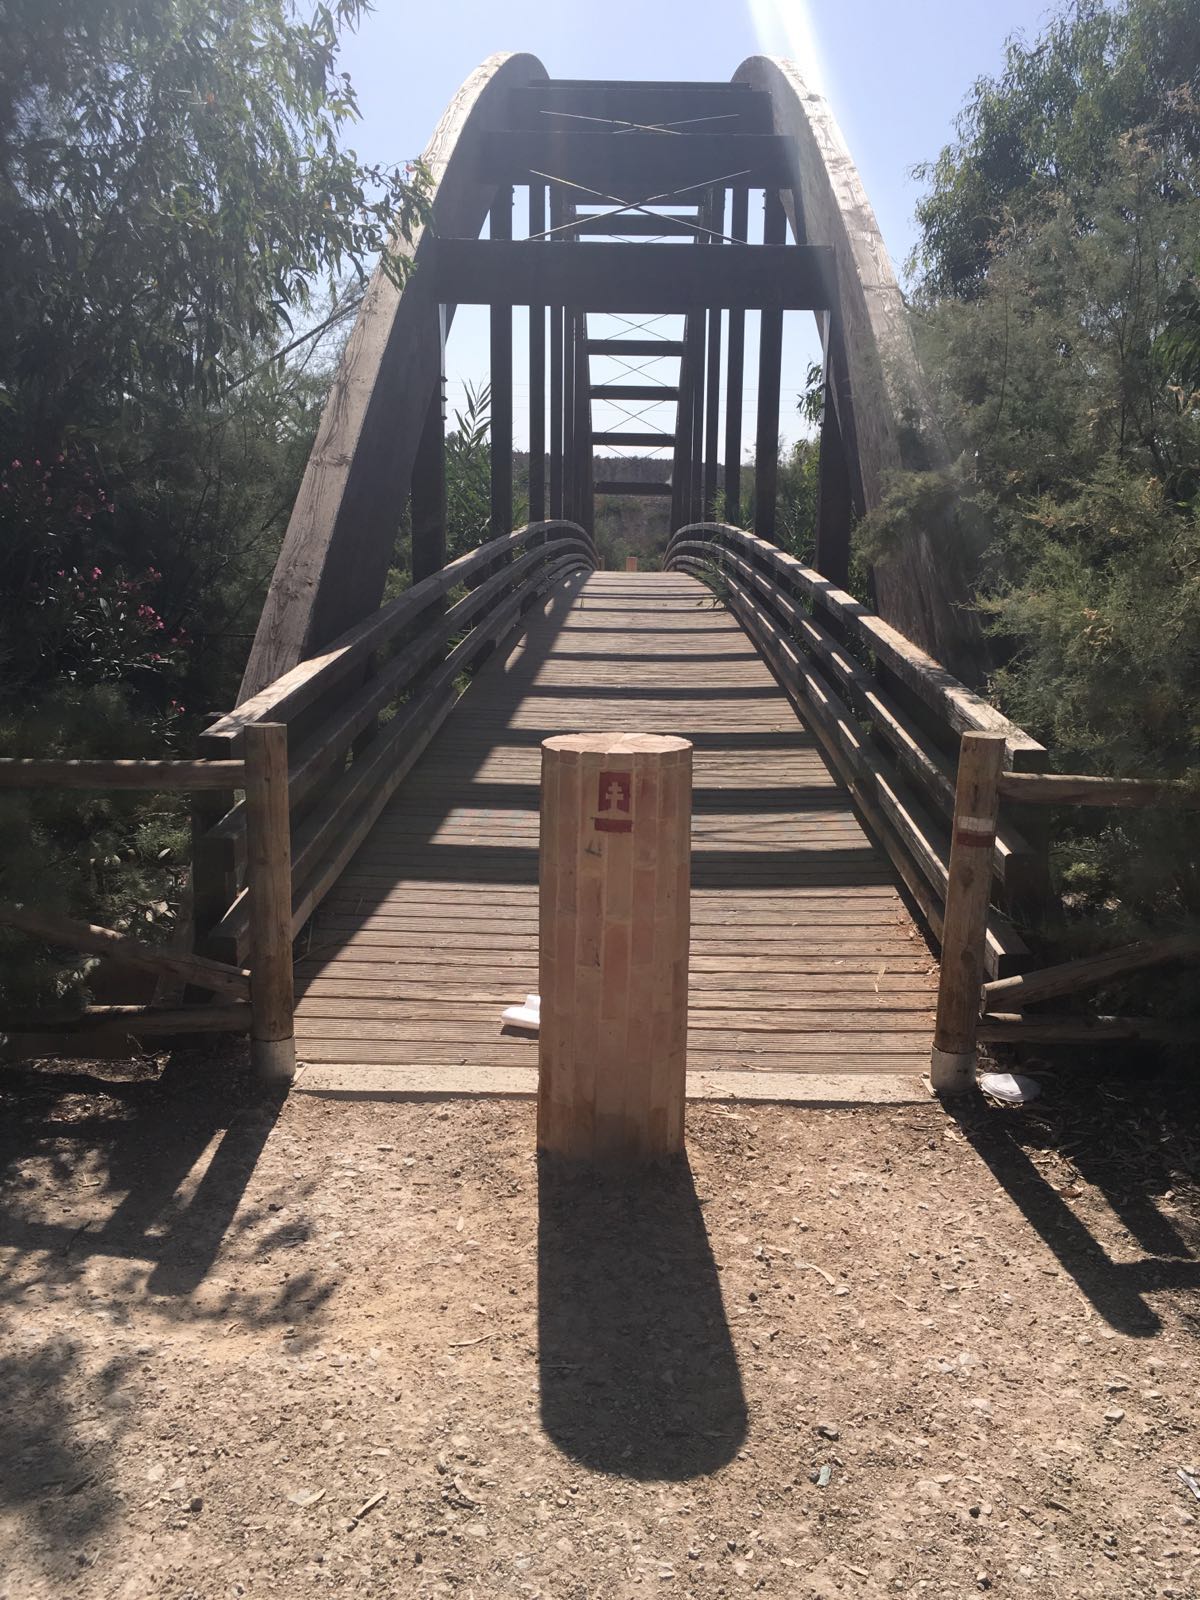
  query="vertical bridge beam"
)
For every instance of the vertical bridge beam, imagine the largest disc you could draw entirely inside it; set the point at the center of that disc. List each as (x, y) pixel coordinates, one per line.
(427, 500)
(835, 513)
(770, 360)
(501, 365)
(537, 373)
(735, 376)
(712, 416)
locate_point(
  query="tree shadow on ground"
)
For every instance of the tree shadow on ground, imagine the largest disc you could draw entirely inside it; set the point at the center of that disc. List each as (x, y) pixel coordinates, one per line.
(637, 1368)
(1133, 1137)
(157, 1170)
(147, 1139)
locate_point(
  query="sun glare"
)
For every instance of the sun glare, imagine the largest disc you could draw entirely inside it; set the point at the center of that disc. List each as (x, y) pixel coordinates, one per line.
(785, 28)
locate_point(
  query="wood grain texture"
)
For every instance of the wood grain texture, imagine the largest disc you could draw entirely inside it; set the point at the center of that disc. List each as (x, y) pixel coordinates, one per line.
(613, 945)
(804, 957)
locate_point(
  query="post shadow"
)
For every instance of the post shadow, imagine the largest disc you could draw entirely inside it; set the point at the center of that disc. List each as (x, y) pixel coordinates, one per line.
(1116, 1289)
(637, 1370)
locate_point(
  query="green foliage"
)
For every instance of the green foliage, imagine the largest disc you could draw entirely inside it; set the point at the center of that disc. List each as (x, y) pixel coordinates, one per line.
(174, 195)
(629, 526)
(469, 473)
(112, 858)
(796, 499)
(798, 476)
(1044, 132)
(1059, 322)
(172, 186)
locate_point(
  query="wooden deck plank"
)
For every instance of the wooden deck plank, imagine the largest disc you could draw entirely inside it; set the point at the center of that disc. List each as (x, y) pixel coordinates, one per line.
(804, 957)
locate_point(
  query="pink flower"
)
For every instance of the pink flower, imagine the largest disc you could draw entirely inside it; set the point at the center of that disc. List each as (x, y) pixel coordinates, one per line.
(96, 573)
(16, 464)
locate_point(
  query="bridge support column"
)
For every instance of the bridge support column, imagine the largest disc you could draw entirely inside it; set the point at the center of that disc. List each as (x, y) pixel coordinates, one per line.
(614, 928)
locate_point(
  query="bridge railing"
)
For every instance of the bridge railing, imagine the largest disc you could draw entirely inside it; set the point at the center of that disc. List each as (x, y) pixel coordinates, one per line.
(358, 716)
(888, 716)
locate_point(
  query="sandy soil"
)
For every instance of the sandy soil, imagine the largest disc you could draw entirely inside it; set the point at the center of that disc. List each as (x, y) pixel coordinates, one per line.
(368, 1349)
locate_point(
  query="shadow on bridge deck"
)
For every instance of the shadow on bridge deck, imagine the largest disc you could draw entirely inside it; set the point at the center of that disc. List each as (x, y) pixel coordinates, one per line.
(804, 956)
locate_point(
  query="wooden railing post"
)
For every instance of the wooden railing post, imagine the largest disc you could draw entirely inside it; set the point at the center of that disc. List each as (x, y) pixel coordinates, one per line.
(269, 882)
(964, 931)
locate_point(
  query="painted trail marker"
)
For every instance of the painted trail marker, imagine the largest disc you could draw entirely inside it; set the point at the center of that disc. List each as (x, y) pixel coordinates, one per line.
(614, 929)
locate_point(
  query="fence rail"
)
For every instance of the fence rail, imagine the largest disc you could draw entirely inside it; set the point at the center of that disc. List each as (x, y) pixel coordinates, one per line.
(967, 1009)
(258, 1000)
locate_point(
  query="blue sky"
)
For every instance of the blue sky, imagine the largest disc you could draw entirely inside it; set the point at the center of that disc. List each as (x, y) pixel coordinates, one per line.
(895, 74)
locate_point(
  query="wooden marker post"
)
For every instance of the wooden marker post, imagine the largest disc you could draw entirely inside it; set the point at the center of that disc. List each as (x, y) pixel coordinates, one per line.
(964, 931)
(631, 563)
(269, 884)
(615, 921)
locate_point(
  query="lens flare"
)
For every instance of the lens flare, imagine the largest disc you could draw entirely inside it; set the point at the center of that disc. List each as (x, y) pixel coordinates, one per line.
(785, 28)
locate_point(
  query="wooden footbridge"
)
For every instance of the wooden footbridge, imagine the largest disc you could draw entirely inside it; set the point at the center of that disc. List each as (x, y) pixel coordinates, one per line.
(677, 212)
(831, 857)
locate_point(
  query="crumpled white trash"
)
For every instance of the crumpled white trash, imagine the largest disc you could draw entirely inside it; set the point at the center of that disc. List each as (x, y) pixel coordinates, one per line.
(1011, 1087)
(528, 1016)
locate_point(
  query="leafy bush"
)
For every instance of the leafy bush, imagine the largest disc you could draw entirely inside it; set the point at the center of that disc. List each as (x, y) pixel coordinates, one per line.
(174, 192)
(1057, 312)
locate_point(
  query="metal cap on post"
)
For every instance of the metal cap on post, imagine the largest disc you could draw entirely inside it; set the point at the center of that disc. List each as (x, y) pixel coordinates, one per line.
(614, 930)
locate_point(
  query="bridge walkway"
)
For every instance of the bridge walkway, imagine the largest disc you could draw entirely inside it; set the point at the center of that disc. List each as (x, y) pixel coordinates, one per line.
(804, 956)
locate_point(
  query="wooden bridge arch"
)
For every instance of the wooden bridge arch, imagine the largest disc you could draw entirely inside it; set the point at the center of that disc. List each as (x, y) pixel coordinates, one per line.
(605, 160)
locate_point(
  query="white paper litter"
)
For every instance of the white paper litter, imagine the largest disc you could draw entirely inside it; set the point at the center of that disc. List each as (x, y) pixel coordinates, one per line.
(528, 1016)
(1010, 1087)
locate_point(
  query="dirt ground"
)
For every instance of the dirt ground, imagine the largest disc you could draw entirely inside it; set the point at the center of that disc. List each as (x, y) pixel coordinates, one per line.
(368, 1349)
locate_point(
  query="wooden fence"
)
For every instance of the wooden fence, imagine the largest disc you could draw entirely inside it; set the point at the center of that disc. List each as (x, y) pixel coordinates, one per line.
(285, 789)
(257, 1000)
(889, 718)
(963, 1022)
(358, 716)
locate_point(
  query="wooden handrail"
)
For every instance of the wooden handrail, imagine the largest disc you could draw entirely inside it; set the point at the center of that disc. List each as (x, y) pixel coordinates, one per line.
(20, 773)
(1081, 789)
(334, 806)
(962, 708)
(353, 716)
(1015, 861)
(917, 844)
(292, 693)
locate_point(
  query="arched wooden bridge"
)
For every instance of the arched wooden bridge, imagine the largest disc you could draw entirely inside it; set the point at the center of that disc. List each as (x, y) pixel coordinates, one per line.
(826, 734)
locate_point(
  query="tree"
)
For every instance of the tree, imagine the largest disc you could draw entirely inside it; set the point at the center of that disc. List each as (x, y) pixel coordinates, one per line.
(1044, 132)
(1057, 316)
(176, 201)
(172, 188)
